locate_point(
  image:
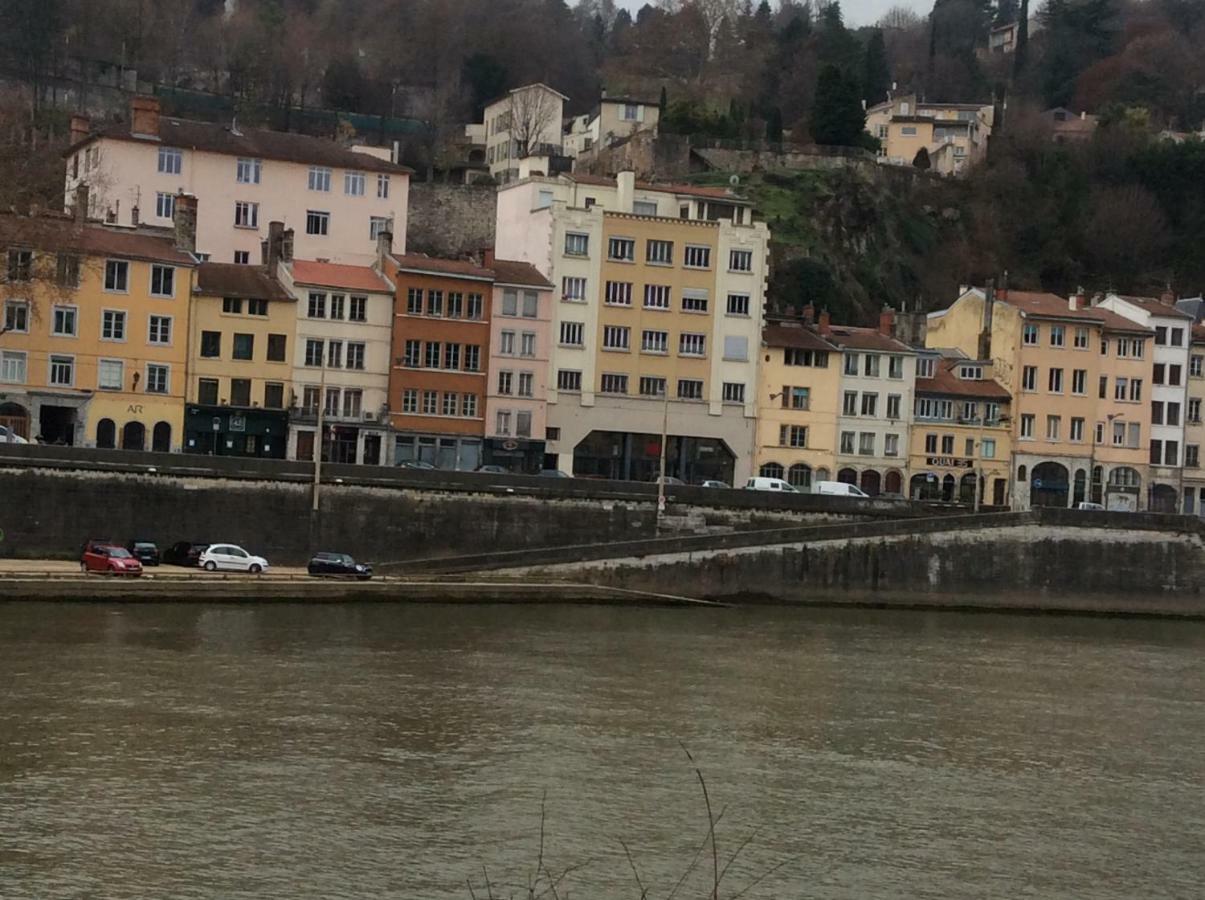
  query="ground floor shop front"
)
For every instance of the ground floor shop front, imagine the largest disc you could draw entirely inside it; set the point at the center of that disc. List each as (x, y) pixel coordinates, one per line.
(236, 431)
(1067, 481)
(44, 416)
(342, 443)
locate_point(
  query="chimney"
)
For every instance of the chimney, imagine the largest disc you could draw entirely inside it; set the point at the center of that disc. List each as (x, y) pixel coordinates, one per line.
(1077, 301)
(626, 182)
(81, 127)
(1083, 114)
(184, 220)
(134, 214)
(144, 116)
(286, 245)
(81, 203)
(263, 252)
(887, 321)
(487, 257)
(1168, 297)
(808, 314)
(276, 230)
(384, 245)
(989, 310)
(826, 322)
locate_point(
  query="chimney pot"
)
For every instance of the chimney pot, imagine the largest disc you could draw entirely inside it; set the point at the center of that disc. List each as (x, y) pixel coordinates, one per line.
(826, 322)
(81, 203)
(276, 231)
(384, 245)
(808, 313)
(487, 256)
(887, 321)
(625, 181)
(81, 127)
(144, 116)
(1168, 297)
(184, 220)
(134, 214)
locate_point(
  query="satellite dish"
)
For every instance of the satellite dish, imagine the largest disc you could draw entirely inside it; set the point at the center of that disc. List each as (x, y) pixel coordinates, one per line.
(734, 180)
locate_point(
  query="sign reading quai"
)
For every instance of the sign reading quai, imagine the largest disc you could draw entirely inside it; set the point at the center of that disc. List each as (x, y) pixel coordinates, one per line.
(949, 462)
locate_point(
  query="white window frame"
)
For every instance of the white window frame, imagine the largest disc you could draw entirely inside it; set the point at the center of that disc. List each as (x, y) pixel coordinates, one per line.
(320, 216)
(247, 170)
(167, 379)
(158, 270)
(697, 256)
(740, 260)
(171, 160)
(108, 362)
(119, 317)
(246, 214)
(119, 265)
(150, 330)
(354, 183)
(165, 205)
(17, 362)
(320, 179)
(54, 332)
(59, 358)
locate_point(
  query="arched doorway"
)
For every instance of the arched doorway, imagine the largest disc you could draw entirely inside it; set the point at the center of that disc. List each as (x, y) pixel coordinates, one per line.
(15, 418)
(1098, 484)
(161, 437)
(800, 476)
(848, 476)
(1081, 485)
(872, 483)
(820, 474)
(133, 436)
(948, 486)
(1050, 485)
(106, 434)
(893, 483)
(1123, 489)
(770, 470)
(1163, 499)
(924, 486)
(966, 489)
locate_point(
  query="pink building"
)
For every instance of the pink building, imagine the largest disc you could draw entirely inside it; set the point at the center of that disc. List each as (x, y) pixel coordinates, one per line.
(517, 374)
(336, 199)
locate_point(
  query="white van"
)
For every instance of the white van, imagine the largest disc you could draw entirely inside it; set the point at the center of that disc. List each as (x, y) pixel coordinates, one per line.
(838, 488)
(769, 484)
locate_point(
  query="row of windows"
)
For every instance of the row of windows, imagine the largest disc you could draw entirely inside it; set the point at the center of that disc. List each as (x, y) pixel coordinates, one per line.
(1124, 434)
(526, 343)
(523, 386)
(64, 322)
(354, 308)
(869, 364)
(455, 306)
(648, 386)
(618, 338)
(437, 355)
(987, 446)
(655, 296)
(110, 373)
(240, 393)
(1126, 347)
(797, 356)
(20, 268)
(334, 355)
(250, 171)
(657, 252)
(866, 442)
(463, 406)
(521, 419)
(243, 346)
(968, 410)
(346, 402)
(869, 405)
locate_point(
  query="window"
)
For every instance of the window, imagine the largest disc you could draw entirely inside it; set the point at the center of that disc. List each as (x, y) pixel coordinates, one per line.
(158, 378)
(506, 344)
(110, 375)
(211, 344)
(656, 296)
(355, 354)
(378, 225)
(435, 303)
(113, 325)
(1160, 335)
(526, 383)
(568, 380)
(1173, 375)
(1194, 410)
(618, 293)
(320, 178)
(690, 389)
(451, 355)
(733, 392)
(616, 337)
(274, 395)
(1104, 386)
(1081, 338)
(317, 222)
(573, 289)
(987, 448)
(117, 276)
(654, 342)
(382, 187)
(738, 304)
(276, 347)
(503, 422)
(736, 348)
(357, 309)
(163, 281)
(1192, 456)
(659, 253)
(1173, 413)
(970, 373)
(796, 397)
(1055, 381)
(792, 435)
(451, 402)
(740, 260)
(1123, 348)
(455, 305)
(317, 306)
(171, 160)
(1104, 347)
(924, 367)
(847, 442)
(1171, 453)
(65, 321)
(1027, 426)
(908, 131)
(433, 349)
(242, 257)
(232, 305)
(1029, 378)
(510, 302)
(690, 344)
(895, 367)
(614, 384)
(1079, 381)
(697, 257)
(891, 445)
(62, 370)
(872, 365)
(240, 391)
(1136, 347)
(414, 301)
(410, 400)
(244, 346)
(430, 402)
(694, 301)
(1057, 333)
(246, 215)
(413, 355)
(337, 304)
(796, 356)
(622, 249)
(1157, 412)
(523, 423)
(159, 330)
(1054, 425)
(893, 406)
(930, 443)
(1029, 335)
(531, 304)
(1120, 386)
(1136, 390)
(652, 387)
(571, 334)
(165, 205)
(577, 244)
(849, 405)
(247, 171)
(870, 403)
(947, 444)
(851, 364)
(353, 184)
(313, 352)
(866, 443)
(1077, 429)
(12, 367)
(1195, 365)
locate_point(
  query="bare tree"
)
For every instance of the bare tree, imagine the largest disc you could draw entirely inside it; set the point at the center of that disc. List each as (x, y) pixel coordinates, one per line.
(899, 17)
(533, 115)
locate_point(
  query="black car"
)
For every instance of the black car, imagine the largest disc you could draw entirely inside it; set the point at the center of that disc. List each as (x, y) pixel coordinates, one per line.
(144, 551)
(341, 564)
(184, 553)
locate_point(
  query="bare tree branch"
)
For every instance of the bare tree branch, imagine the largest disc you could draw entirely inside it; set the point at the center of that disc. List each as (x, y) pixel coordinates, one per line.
(715, 855)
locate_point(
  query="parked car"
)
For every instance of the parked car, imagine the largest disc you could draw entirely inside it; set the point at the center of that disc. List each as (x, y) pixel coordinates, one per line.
(184, 553)
(230, 556)
(770, 484)
(713, 483)
(415, 464)
(1088, 504)
(144, 551)
(492, 470)
(670, 480)
(8, 436)
(553, 473)
(839, 489)
(109, 559)
(324, 563)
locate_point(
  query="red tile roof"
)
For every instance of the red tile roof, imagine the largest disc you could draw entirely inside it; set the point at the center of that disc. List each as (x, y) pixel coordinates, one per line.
(1155, 306)
(795, 336)
(434, 265)
(946, 381)
(1198, 334)
(54, 232)
(847, 336)
(234, 280)
(337, 275)
(1051, 306)
(508, 271)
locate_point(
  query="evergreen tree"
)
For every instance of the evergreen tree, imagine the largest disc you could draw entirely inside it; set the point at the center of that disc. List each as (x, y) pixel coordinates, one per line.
(1006, 11)
(837, 115)
(921, 160)
(663, 102)
(876, 77)
(1022, 48)
(774, 125)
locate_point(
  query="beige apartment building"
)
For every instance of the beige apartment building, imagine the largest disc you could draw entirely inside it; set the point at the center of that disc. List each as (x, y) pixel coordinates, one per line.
(1194, 427)
(336, 199)
(954, 134)
(614, 119)
(525, 122)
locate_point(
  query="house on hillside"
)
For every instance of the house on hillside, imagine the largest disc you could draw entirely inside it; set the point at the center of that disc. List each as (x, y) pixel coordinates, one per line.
(955, 135)
(614, 119)
(524, 123)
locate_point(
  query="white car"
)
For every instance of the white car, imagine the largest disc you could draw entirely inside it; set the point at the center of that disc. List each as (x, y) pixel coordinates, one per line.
(8, 436)
(228, 556)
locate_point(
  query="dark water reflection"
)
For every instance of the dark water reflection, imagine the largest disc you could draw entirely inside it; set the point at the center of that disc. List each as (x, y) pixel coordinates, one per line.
(373, 751)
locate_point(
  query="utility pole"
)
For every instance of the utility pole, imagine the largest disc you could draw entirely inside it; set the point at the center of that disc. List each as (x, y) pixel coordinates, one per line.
(664, 441)
(319, 442)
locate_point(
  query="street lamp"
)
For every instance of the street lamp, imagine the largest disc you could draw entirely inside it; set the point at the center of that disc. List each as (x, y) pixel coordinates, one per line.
(319, 442)
(1092, 460)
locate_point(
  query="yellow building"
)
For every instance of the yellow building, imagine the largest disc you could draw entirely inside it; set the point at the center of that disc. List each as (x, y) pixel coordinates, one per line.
(798, 392)
(1079, 378)
(1194, 427)
(960, 431)
(240, 380)
(955, 135)
(93, 342)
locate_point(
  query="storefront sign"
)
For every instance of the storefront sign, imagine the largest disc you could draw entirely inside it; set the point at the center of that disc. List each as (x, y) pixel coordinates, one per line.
(134, 409)
(510, 445)
(949, 462)
(238, 423)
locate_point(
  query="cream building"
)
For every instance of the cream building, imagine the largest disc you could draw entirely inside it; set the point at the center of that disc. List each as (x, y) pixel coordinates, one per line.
(525, 122)
(661, 288)
(1194, 427)
(954, 134)
(614, 119)
(336, 199)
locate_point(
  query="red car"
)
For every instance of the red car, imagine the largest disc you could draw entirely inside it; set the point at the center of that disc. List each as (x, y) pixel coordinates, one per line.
(109, 559)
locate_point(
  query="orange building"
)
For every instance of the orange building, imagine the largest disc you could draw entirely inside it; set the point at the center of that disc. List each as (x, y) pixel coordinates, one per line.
(437, 383)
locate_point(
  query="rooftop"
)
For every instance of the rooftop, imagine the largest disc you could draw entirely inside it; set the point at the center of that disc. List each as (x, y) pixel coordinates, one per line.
(235, 280)
(1155, 306)
(685, 190)
(434, 265)
(847, 336)
(56, 231)
(507, 271)
(946, 381)
(782, 335)
(1043, 305)
(337, 275)
(260, 143)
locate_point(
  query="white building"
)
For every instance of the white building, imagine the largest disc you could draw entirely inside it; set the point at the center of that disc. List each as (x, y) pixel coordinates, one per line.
(1170, 409)
(336, 199)
(525, 122)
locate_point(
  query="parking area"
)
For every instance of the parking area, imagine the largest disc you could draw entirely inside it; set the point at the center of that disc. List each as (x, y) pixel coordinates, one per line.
(61, 567)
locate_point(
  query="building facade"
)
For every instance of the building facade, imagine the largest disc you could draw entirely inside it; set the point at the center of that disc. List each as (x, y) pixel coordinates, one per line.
(657, 324)
(441, 342)
(955, 135)
(520, 346)
(525, 122)
(335, 199)
(1194, 427)
(341, 360)
(94, 335)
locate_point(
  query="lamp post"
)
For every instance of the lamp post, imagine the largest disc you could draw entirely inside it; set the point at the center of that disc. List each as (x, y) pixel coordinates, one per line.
(661, 462)
(318, 443)
(1092, 461)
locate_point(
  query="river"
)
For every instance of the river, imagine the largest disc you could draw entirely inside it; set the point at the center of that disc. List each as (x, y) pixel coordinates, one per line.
(176, 751)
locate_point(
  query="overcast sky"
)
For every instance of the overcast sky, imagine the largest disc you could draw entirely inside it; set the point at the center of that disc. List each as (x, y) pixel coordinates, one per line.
(857, 12)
